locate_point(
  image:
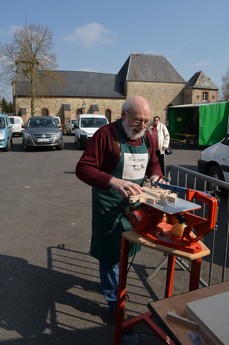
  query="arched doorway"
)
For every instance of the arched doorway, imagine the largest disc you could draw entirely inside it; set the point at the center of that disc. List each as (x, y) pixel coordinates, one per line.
(45, 112)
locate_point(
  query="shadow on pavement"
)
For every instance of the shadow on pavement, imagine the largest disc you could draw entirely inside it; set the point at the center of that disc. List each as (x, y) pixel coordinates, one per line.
(42, 306)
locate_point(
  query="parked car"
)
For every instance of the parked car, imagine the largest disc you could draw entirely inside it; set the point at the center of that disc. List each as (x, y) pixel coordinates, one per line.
(214, 162)
(70, 126)
(6, 135)
(42, 131)
(58, 121)
(17, 125)
(87, 125)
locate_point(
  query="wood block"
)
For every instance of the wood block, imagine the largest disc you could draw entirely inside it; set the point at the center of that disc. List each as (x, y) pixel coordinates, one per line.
(173, 316)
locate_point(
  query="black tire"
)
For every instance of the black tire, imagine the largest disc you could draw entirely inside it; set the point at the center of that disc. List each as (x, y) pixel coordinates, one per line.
(8, 146)
(216, 172)
(61, 146)
(78, 145)
(24, 147)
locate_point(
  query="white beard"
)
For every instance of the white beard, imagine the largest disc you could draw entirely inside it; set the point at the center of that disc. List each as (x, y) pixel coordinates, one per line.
(130, 131)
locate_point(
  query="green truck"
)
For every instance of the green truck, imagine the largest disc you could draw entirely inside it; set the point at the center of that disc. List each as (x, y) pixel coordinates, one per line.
(202, 124)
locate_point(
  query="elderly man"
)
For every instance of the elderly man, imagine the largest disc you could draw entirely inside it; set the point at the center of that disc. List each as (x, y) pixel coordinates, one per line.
(115, 163)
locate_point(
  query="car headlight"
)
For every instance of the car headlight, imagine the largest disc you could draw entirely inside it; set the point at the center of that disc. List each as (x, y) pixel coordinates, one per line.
(27, 135)
(58, 136)
(2, 135)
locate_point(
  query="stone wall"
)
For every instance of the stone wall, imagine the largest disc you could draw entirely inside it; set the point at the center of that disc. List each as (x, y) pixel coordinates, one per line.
(192, 96)
(159, 95)
(55, 106)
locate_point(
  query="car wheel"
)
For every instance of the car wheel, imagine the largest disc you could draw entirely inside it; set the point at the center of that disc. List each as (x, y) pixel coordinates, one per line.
(10, 144)
(61, 146)
(215, 172)
(78, 145)
(24, 147)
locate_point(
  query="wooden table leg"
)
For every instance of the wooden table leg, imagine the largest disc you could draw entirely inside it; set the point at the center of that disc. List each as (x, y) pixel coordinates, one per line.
(170, 276)
(121, 292)
(195, 274)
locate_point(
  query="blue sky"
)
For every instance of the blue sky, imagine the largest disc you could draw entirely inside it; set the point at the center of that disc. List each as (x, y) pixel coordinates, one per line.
(99, 35)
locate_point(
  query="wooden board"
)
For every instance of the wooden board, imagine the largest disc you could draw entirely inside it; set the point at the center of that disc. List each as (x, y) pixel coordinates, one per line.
(161, 308)
(212, 315)
(163, 200)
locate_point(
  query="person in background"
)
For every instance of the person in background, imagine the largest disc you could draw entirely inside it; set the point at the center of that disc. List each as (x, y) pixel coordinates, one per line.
(115, 163)
(161, 138)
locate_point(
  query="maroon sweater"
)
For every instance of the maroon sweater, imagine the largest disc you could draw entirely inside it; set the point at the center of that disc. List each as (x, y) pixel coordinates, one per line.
(103, 153)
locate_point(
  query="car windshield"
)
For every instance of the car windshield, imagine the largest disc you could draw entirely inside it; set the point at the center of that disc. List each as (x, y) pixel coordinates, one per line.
(15, 120)
(47, 123)
(2, 122)
(93, 123)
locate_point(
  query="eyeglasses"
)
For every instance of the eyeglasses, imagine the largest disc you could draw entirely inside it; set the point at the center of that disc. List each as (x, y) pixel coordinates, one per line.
(137, 122)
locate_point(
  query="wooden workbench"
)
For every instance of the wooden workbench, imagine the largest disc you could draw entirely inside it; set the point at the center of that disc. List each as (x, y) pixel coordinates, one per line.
(134, 237)
(159, 309)
(194, 258)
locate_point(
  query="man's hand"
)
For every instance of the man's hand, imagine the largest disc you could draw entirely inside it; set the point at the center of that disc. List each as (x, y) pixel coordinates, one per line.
(126, 188)
(157, 178)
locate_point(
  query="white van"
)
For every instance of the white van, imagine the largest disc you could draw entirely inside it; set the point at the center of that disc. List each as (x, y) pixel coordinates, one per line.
(86, 126)
(17, 125)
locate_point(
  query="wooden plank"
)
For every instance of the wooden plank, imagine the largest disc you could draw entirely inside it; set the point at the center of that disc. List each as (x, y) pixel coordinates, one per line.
(212, 315)
(177, 303)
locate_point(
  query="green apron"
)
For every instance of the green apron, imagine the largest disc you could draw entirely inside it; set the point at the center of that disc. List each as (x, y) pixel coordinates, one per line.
(108, 206)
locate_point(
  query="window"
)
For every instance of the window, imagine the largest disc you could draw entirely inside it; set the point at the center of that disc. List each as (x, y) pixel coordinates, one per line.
(205, 96)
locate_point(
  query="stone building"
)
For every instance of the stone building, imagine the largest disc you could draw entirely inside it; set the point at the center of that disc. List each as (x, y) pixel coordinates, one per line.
(200, 89)
(68, 93)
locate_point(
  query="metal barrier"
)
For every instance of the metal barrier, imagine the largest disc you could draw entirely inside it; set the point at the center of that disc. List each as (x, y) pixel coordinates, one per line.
(215, 269)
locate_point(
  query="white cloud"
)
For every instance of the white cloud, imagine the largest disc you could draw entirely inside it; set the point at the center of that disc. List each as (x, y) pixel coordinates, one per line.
(201, 63)
(92, 34)
(14, 28)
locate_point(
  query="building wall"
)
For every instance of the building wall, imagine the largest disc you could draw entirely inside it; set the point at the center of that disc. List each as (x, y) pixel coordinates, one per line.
(159, 95)
(54, 106)
(192, 96)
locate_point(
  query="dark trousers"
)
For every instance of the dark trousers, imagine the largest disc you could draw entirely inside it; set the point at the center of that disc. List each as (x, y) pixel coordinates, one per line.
(161, 158)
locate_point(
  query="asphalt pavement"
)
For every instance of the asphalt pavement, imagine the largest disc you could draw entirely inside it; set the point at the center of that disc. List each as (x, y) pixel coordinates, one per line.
(49, 284)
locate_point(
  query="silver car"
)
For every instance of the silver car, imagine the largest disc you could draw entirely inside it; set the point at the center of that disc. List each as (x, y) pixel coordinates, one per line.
(42, 131)
(70, 126)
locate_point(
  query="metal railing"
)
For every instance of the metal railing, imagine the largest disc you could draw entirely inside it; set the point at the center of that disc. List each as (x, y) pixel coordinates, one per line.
(215, 268)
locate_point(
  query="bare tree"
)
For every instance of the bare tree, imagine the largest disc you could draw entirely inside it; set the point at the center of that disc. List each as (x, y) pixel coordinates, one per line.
(29, 53)
(225, 85)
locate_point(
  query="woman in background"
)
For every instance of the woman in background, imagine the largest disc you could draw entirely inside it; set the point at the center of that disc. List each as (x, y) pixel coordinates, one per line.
(161, 139)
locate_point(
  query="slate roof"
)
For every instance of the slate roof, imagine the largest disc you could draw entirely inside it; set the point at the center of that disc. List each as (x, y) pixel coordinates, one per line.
(74, 84)
(149, 68)
(200, 81)
(138, 67)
